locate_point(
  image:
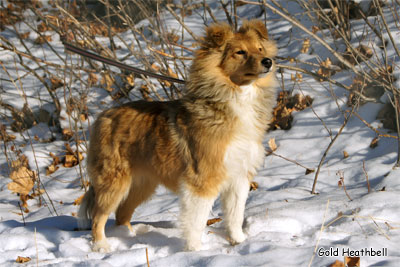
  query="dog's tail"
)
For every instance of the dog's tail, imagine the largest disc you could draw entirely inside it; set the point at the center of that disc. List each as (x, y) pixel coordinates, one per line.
(85, 210)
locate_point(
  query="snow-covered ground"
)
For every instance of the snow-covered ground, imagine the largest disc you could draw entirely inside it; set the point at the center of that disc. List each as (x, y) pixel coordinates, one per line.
(285, 224)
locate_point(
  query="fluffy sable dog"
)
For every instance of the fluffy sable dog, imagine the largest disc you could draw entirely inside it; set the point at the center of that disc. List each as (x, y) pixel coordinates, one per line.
(205, 144)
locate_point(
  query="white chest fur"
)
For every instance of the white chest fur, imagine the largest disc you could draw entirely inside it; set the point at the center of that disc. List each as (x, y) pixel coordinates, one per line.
(245, 152)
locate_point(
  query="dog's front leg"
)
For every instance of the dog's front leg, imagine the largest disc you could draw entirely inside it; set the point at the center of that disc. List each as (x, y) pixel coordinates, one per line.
(194, 214)
(233, 198)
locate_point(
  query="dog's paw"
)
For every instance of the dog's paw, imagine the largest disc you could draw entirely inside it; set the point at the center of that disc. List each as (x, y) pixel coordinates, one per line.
(193, 246)
(237, 237)
(101, 246)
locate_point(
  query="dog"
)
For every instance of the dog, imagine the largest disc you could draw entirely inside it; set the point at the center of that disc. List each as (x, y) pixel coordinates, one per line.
(206, 144)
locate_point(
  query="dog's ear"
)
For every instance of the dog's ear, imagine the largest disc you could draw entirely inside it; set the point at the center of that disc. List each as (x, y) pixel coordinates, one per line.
(217, 35)
(255, 25)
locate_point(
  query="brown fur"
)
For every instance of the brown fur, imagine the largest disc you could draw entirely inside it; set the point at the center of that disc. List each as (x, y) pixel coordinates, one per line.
(139, 145)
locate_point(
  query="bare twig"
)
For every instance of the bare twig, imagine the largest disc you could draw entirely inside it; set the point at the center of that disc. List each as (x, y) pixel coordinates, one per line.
(308, 170)
(341, 183)
(194, 36)
(22, 213)
(147, 257)
(366, 177)
(380, 134)
(346, 120)
(320, 233)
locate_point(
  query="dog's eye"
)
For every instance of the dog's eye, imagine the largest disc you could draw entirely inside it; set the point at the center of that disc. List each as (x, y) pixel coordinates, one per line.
(241, 52)
(260, 49)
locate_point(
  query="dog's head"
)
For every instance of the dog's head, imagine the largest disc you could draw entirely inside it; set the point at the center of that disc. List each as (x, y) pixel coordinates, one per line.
(245, 55)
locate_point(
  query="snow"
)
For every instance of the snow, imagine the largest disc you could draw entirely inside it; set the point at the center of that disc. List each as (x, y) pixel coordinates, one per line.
(284, 223)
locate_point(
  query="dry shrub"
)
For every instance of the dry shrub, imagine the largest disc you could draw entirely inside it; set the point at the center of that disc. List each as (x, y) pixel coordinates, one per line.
(286, 104)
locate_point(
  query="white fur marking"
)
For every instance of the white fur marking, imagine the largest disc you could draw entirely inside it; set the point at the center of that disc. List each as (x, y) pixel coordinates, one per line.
(243, 156)
(194, 214)
(245, 153)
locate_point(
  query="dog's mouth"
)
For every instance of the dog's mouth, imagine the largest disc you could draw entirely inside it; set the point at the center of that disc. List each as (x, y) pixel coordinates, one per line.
(255, 74)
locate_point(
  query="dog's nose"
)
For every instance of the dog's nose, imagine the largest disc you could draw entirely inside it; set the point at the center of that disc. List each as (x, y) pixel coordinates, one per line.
(267, 62)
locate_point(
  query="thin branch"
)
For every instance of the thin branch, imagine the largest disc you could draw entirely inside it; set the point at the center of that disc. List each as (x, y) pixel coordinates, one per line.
(366, 177)
(308, 170)
(346, 120)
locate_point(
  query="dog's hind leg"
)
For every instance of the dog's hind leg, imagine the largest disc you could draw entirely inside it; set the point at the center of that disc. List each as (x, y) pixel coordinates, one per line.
(233, 196)
(194, 214)
(108, 196)
(98, 224)
(141, 189)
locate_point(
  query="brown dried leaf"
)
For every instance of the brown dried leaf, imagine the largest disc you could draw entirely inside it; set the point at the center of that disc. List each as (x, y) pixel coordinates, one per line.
(8, 16)
(67, 134)
(130, 79)
(272, 145)
(24, 35)
(155, 67)
(171, 73)
(337, 263)
(308, 171)
(78, 201)
(92, 80)
(70, 161)
(299, 77)
(37, 192)
(345, 154)
(23, 181)
(42, 39)
(315, 29)
(23, 178)
(212, 221)
(107, 81)
(69, 149)
(51, 169)
(286, 104)
(83, 117)
(352, 261)
(306, 46)
(363, 53)
(374, 142)
(42, 27)
(145, 91)
(324, 71)
(56, 83)
(301, 102)
(253, 186)
(21, 161)
(72, 158)
(21, 259)
(4, 136)
(24, 200)
(172, 37)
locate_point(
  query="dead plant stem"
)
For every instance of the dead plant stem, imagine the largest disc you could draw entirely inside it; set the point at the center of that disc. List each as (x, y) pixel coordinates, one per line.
(346, 120)
(366, 177)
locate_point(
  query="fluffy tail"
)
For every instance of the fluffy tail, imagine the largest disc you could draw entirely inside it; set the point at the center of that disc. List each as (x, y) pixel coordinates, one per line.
(85, 210)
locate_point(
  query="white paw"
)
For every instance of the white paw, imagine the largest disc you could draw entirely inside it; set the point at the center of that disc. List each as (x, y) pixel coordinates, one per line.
(101, 246)
(237, 237)
(193, 246)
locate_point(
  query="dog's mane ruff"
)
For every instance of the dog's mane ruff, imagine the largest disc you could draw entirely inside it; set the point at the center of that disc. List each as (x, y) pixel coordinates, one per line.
(207, 80)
